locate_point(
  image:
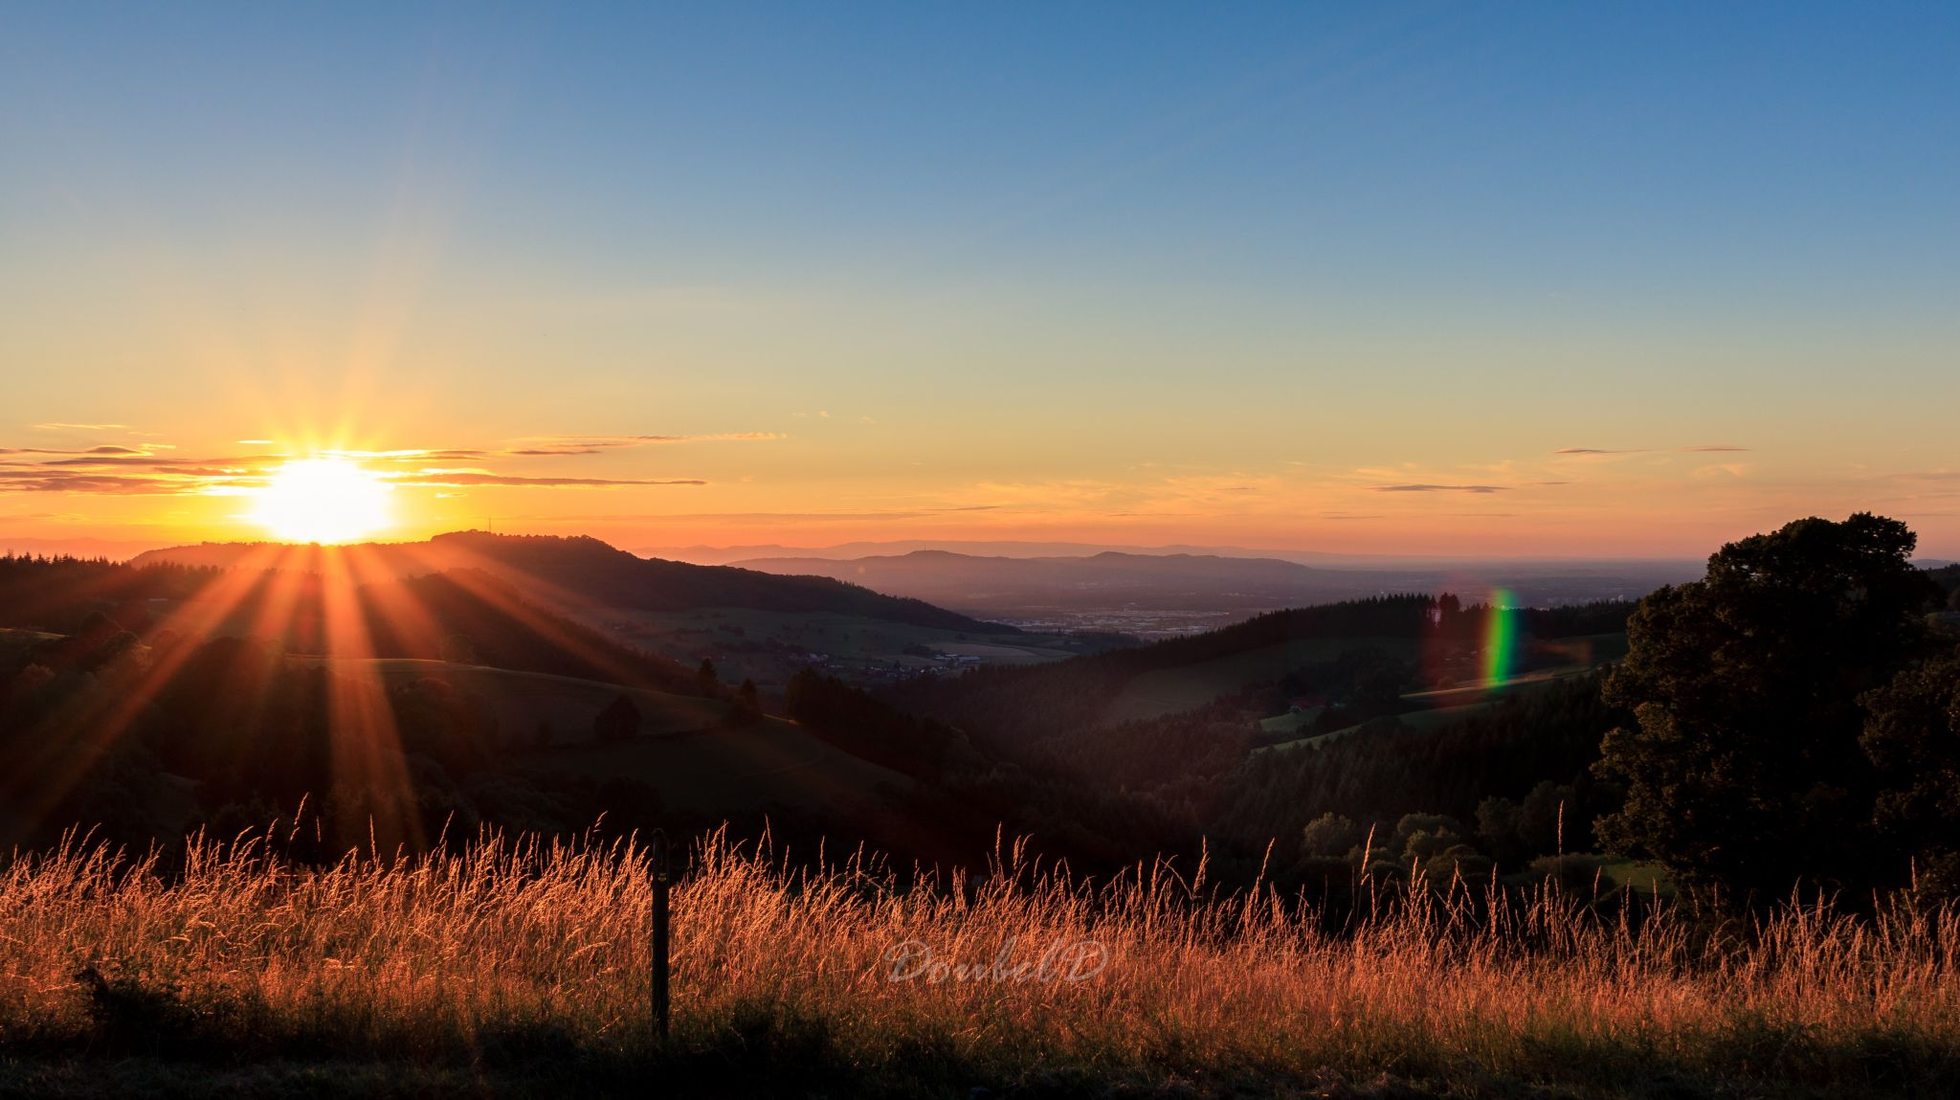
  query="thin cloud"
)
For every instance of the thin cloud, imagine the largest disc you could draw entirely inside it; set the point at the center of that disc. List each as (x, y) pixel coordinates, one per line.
(139, 469)
(58, 426)
(1426, 488)
(103, 450)
(1713, 448)
(160, 462)
(752, 517)
(68, 481)
(460, 480)
(566, 445)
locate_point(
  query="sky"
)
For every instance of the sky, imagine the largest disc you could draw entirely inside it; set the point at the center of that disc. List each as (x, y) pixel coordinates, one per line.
(1517, 279)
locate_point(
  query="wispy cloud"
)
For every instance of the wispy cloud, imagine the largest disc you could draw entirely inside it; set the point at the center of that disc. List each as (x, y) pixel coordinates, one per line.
(1717, 447)
(143, 468)
(758, 517)
(71, 481)
(561, 445)
(1426, 488)
(103, 450)
(461, 479)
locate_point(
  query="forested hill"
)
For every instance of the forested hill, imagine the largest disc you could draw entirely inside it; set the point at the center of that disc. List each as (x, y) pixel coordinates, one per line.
(1948, 578)
(460, 615)
(1302, 647)
(579, 572)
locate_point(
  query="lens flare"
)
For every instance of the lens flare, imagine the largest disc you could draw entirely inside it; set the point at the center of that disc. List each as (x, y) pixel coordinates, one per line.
(1500, 637)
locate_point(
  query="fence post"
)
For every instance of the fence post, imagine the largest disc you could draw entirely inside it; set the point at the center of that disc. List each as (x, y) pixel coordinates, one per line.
(660, 962)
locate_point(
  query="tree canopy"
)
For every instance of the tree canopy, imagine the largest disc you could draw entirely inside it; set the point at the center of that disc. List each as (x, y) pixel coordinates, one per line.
(1745, 765)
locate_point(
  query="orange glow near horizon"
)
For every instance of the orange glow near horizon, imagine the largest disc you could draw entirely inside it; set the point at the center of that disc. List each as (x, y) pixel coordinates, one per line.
(358, 476)
(325, 500)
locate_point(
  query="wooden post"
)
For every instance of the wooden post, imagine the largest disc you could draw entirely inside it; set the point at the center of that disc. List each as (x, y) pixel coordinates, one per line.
(660, 961)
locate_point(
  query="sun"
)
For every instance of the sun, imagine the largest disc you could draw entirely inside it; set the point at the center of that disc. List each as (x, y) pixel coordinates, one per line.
(322, 500)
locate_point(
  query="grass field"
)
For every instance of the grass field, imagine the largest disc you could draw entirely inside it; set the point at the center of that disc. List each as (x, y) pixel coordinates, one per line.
(1485, 690)
(1434, 708)
(768, 646)
(564, 705)
(1290, 722)
(521, 970)
(688, 747)
(773, 762)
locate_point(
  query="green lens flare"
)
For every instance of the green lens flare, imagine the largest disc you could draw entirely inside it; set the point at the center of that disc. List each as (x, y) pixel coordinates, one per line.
(1500, 636)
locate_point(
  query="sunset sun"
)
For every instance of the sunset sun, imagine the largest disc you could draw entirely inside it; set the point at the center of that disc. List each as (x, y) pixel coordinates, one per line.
(322, 500)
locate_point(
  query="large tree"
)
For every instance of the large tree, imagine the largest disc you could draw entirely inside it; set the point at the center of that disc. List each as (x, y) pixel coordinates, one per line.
(1745, 767)
(1913, 736)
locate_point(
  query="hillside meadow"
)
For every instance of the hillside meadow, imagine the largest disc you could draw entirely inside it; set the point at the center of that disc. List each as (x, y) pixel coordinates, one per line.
(516, 967)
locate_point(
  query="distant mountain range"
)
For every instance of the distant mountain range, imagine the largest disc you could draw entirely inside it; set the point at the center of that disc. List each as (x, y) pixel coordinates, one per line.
(1034, 586)
(1002, 548)
(728, 555)
(571, 574)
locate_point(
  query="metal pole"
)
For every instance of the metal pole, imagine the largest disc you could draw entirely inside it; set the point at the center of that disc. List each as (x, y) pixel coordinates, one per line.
(660, 962)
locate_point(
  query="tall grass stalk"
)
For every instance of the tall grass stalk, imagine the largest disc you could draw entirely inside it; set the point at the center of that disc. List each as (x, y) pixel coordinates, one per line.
(521, 947)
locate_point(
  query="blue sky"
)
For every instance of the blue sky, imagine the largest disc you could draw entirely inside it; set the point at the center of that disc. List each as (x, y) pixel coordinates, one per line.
(1244, 241)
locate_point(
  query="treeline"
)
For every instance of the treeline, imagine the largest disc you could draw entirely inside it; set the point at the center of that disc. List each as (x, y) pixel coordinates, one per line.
(56, 594)
(1948, 579)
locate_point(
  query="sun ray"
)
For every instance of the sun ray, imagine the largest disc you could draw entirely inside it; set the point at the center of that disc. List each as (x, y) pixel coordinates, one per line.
(366, 746)
(110, 719)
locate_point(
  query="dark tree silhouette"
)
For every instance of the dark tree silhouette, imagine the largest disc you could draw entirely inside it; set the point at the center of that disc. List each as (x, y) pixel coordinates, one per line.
(1744, 766)
(1913, 737)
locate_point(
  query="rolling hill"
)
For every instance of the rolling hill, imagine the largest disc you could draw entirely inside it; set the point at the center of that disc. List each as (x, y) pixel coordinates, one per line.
(574, 574)
(1361, 658)
(690, 749)
(1224, 586)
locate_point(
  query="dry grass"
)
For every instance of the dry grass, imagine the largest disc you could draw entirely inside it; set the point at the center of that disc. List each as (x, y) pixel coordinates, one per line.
(536, 957)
